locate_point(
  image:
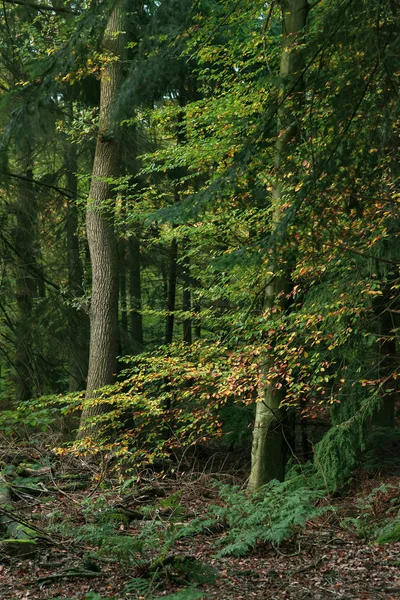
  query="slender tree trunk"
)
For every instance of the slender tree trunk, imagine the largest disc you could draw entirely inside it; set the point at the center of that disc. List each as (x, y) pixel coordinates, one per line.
(388, 357)
(100, 231)
(78, 323)
(169, 326)
(270, 435)
(123, 303)
(135, 294)
(25, 284)
(186, 301)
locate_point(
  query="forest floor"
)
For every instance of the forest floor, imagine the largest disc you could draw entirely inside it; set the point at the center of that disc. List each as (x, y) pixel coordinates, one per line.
(327, 559)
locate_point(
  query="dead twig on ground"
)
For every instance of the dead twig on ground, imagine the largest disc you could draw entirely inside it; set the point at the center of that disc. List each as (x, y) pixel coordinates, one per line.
(310, 565)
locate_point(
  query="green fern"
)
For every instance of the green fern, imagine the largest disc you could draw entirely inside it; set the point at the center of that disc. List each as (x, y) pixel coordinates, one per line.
(137, 585)
(390, 532)
(273, 514)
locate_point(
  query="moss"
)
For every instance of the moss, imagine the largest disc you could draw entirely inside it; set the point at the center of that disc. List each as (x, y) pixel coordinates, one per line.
(18, 547)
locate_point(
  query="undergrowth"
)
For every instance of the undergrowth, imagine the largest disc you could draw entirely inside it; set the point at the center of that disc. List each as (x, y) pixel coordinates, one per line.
(378, 517)
(273, 514)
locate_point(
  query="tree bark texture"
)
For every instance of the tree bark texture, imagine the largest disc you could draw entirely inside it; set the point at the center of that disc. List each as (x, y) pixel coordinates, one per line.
(271, 432)
(100, 230)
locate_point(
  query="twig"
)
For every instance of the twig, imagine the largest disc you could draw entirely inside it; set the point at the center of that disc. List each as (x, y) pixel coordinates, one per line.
(343, 596)
(310, 565)
(286, 555)
(337, 539)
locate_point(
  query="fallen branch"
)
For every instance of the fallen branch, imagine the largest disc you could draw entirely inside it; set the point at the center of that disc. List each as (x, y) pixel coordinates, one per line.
(67, 574)
(12, 517)
(22, 537)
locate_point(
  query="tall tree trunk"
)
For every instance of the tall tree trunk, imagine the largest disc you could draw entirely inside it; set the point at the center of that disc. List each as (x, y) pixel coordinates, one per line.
(25, 283)
(135, 294)
(169, 326)
(78, 324)
(100, 231)
(269, 450)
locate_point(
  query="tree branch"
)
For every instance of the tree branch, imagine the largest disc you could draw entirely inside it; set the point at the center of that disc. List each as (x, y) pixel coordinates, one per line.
(40, 6)
(61, 191)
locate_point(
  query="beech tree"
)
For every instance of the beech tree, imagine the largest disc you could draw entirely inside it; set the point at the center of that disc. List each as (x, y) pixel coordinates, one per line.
(271, 433)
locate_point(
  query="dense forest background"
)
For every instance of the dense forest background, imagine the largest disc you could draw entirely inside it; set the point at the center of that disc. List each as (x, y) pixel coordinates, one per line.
(199, 243)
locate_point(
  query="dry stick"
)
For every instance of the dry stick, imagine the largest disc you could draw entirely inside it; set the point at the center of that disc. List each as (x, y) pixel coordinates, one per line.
(310, 565)
(343, 596)
(287, 555)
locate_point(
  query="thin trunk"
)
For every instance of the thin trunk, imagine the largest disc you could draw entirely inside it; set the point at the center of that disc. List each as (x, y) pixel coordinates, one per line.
(270, 436)
(388, 357)
(169, 326)
(123, 303)
(135, 294)
(78, 323)
(100, 232)
(25, 285)
(187, 301)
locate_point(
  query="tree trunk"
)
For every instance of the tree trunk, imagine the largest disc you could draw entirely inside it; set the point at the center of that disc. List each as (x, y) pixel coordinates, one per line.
(123, 304)
(100, 232)
(169, 326)
(78, 325)
(387, 310)
(135, 294)
(186, 301)
(269, 450)
(25, 284)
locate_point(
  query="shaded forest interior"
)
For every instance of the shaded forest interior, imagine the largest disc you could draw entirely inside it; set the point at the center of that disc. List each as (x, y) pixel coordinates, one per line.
(200, 298)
